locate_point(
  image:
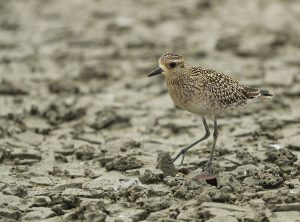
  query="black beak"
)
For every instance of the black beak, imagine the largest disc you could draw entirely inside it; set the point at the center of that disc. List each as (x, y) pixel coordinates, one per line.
(155, 72)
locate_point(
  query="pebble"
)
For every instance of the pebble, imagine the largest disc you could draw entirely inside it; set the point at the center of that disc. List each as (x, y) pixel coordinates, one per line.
(124, 163)
(154, 204)
(38, 214)
(25, 154)
(293, 216)
(244, 171)
(250, 181)
(224, 206)
(287, 207)
(15, 190)
(77, 192)
(41, 201)
(9, 213)
(105, 182)
(163, 160)
(125, 184)
(223, 219)
(30, 138)
(45, 181)
(85, 152)
(148, 176)
(268, 180)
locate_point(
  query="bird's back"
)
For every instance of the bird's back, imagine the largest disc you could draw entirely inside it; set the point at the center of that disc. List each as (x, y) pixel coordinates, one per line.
(211, 93)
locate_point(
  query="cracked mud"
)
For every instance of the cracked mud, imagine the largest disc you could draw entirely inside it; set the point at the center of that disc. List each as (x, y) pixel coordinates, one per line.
(86, 136)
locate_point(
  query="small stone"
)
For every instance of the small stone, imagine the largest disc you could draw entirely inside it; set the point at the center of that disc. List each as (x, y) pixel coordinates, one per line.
(16, 190)
(133, 214)
(25, 162)
(173, 181)
(159, 190)
(9, 213)
(224, 206)
(281, 157)
(107, 117)
(151, 175)
(67, 86)
(94, 217)
(226, 179)
(60, 158)
(290, 216)
(154, 204)
(41, 201)
(257, 203)
(65, 150)
(244, 171)
(223, 197)
(9, 88)
(250, 181)
(227, 165)
(38, 214)
(63, 186)
(3, 152)
(127, 184)
(103, 160)
(223, 219)
(287, 207)
(85, 152)
(35, 123)
(202, 197)
(22, 154)
(189, 214)
(245, 157)
(46, 181)
(13, 201)
(104, 182)
(163, 163)
(77, 192)
(124, 163)
(30, 138)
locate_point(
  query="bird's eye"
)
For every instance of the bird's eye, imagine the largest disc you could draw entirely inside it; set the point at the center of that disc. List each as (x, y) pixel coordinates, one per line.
(172, 64)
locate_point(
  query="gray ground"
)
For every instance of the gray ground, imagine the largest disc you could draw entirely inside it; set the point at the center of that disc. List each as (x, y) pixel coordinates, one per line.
(82, 126)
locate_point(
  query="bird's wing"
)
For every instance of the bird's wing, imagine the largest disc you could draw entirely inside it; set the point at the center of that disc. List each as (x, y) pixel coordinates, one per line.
(227, 91)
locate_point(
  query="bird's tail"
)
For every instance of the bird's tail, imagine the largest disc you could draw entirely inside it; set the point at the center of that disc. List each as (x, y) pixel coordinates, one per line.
(252, 93)
(265, 94)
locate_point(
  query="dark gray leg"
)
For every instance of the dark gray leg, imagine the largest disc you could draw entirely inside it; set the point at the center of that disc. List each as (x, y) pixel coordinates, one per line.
(185, 149)
(215, 137)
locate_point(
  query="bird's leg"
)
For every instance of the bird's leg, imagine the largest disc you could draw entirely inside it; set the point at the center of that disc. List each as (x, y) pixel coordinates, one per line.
(215, 137)
(185, 149)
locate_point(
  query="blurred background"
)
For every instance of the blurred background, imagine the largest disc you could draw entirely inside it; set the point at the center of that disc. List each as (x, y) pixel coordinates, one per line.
(73, 76)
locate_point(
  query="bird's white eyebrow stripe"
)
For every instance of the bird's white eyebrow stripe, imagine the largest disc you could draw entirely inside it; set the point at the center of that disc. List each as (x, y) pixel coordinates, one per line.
(176, 61)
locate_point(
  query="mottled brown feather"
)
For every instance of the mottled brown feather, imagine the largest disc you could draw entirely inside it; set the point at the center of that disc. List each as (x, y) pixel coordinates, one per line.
(224, 89)
(204, 91)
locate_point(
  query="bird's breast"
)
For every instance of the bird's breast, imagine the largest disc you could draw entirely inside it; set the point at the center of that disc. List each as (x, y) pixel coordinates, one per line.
(186, 94)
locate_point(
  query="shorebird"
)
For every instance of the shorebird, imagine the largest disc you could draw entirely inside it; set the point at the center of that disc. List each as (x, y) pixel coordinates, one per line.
(204, 92)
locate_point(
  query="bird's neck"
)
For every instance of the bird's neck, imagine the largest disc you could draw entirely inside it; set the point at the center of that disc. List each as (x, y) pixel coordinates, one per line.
(178, 77)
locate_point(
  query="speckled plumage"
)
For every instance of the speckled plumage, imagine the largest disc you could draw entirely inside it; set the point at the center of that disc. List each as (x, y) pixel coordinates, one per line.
(204, 92)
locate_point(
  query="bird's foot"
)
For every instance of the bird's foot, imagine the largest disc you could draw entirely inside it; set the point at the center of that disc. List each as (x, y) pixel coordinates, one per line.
(208, 167)
(181, 153)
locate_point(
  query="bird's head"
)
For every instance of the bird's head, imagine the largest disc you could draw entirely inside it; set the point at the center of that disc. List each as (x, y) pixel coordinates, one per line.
(169, 64)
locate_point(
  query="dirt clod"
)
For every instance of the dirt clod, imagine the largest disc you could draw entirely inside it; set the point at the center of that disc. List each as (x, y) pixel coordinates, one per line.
(124, 163)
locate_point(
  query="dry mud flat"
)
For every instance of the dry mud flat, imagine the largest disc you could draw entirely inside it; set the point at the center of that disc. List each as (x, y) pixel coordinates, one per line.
(85, 135)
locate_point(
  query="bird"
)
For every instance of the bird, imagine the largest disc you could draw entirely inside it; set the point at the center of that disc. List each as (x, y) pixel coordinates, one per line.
(204, 92)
